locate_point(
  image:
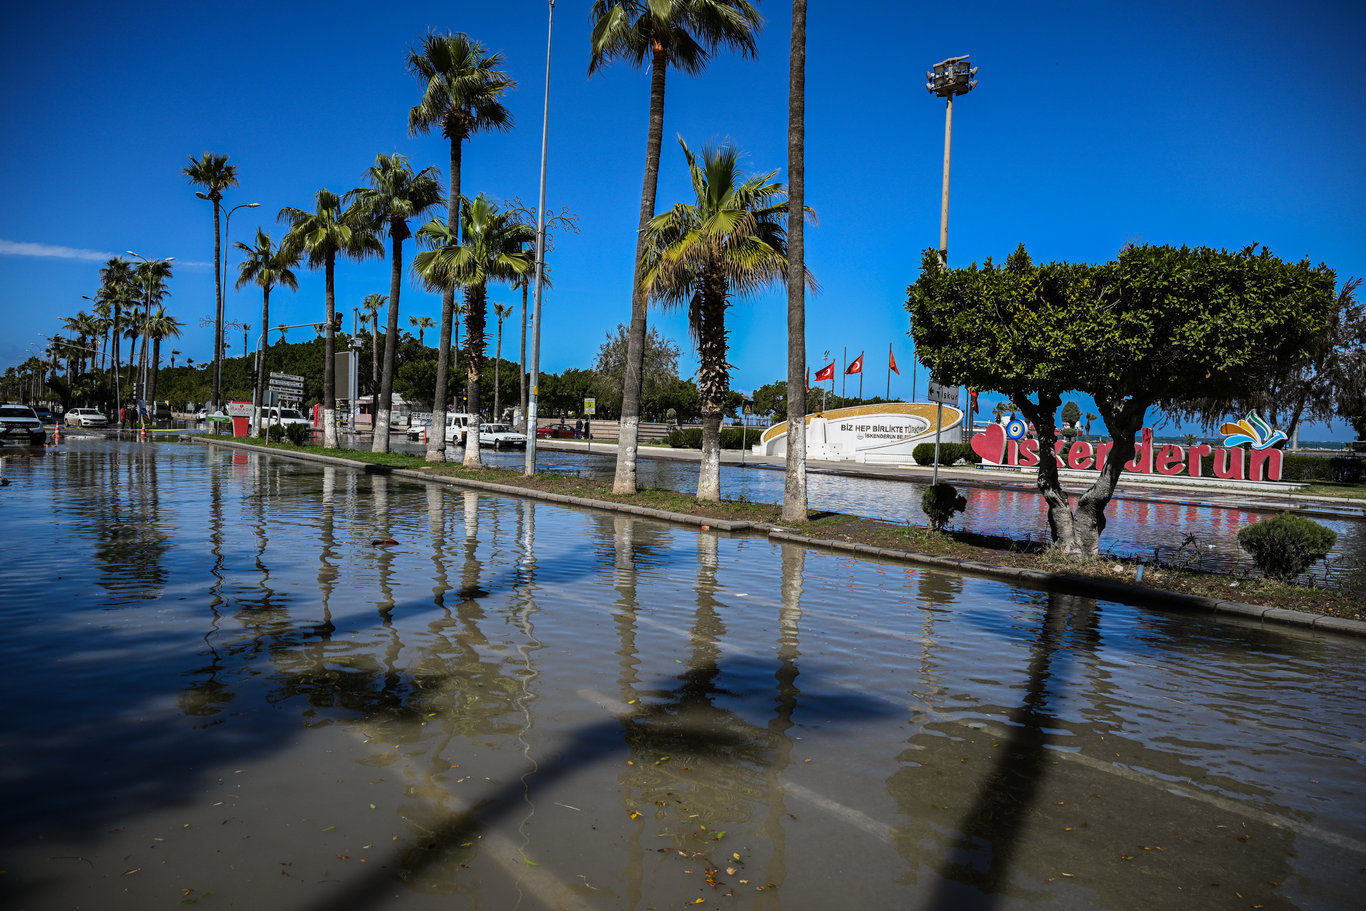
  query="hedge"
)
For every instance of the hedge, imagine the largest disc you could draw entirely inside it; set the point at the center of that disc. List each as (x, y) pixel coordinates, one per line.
(949, 454)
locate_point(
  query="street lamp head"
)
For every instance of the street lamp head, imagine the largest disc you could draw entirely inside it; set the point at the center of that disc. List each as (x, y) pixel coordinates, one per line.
(203, 195)
(253, 205)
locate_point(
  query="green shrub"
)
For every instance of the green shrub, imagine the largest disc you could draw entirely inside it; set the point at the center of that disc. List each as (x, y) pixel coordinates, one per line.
(299, 434)
(939, 502)
(949, 453)
(731, 438)
(275, 433)
(1286, 545)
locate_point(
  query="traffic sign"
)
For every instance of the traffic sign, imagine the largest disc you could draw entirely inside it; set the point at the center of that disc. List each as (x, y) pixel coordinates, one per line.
(590, 406)
(944, 395)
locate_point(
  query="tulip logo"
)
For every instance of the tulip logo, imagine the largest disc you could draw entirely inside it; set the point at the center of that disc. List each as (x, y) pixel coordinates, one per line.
(1251, 429)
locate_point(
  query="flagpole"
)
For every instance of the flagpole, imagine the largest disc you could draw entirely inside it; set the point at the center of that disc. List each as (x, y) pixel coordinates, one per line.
(860, 378)
(844, 382)
(889, 371)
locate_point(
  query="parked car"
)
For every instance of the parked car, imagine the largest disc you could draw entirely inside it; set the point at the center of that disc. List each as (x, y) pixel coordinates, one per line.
(456, 425)
(283, 417)
(556, 431)
(44, 414)
(500, 436)
(86, 417)
(18, 422)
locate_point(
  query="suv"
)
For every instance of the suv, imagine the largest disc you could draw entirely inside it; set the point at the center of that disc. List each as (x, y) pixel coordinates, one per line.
(19, 421)
(281, 417)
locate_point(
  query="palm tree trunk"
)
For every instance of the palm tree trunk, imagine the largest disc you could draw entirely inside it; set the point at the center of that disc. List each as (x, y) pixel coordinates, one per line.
(261, 363)
(474, 368)
(794, 486)
(374, 357)
(625, 480)
(152, 376)
(330, 440)
(386, 384)
(218, 314)
(436, 442)
(497, 373)
(713, 380)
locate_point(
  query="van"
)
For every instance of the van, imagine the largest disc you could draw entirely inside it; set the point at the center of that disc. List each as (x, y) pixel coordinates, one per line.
(273, 416)
(456, 425)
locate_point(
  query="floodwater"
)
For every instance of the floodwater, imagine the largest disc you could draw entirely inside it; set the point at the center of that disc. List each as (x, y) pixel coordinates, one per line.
(243, 681)
(1196, 534)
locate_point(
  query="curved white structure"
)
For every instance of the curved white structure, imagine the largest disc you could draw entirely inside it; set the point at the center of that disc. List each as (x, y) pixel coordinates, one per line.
(884, 433)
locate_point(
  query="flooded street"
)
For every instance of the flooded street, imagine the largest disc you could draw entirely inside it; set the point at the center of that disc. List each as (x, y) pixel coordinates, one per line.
(244, 681)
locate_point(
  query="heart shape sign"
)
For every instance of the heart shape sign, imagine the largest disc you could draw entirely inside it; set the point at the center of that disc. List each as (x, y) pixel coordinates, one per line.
(990, 444)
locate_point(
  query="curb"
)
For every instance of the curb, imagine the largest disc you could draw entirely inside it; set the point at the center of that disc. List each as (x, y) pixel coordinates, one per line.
(1034, 578)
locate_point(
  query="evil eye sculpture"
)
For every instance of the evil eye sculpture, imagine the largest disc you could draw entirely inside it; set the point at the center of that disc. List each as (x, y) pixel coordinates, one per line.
(1015, 429)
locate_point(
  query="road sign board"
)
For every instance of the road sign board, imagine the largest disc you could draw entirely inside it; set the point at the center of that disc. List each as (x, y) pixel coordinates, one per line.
(945, 395)
(590, 406)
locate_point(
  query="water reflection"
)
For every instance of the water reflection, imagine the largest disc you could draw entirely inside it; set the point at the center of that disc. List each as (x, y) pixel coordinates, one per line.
(519, 702)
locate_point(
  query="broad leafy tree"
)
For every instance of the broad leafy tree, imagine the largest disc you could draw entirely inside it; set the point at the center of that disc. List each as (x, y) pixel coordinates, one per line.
(660, 34)
(730, 241)
(659, 370)
(267, 266)
(491, 247)
(214, 174)
(1155, 328)
(462, 90)
(395, 195)
(321, 236)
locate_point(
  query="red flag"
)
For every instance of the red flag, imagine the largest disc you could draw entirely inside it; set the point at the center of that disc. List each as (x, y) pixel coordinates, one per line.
(972, 393)
(808, 379)
(856, 366)
(891, 361)
(826, 373)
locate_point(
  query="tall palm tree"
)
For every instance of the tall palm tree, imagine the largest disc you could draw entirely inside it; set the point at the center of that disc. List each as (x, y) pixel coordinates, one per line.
(214, 174)
(502, 311)
(159, 326)
(150, 283)
(175, 353)
(794, 484)
(116, 282)
(493, 249)
(732, 240)
(421, 324)
(267, 266)
(322, 235)
(372, 304)
(395, 194)
(682, 34)
(461, 90)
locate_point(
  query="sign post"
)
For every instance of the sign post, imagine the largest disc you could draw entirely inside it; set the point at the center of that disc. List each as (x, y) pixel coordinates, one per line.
(942, 395)
(590, 408)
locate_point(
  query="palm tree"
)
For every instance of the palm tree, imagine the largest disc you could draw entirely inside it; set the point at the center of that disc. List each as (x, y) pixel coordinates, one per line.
(323, 235)
(267, 266)
(175, 353)
(794, 483)
(150, 281)
(461, 87)
(493, 250)
(395, 195)
(214, 174)
(683, 34)
(421, 324)
(502, 311)
(159, 326)
(116, 282)
(730, 241)
(372, 305)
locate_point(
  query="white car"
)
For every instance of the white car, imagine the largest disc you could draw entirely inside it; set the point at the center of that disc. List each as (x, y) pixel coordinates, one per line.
(456, 425)
(501, 436)
(282, 417)
(19, 422)
(85, 417)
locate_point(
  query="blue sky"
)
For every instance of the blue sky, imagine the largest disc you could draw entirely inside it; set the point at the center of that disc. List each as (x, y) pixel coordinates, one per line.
(1214, 124)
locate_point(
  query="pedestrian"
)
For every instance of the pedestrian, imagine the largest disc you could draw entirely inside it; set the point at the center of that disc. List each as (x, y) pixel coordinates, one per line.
(123, 416)
(578, 428)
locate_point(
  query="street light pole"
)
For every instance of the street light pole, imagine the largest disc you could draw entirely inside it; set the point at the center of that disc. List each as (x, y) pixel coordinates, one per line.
(954, 76)
(220, 281)
(533, 395)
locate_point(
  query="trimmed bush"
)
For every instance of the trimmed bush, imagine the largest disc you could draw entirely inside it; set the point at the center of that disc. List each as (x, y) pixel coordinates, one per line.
(1286, 545)
(731, 438)
(275, 433)
(949, 453)
(939, 502)
(299, 434)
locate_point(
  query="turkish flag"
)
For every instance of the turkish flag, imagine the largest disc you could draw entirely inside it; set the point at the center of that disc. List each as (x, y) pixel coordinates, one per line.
(856, 366)
(826, 373)
(891, 362)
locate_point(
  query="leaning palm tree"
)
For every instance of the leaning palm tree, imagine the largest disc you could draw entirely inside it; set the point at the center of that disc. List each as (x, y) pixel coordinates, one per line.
(214, 174)
(395, 195)
(372, 304)
(682, 34)
(732, 240)
(491, 248)
(421, 324)
(266, 266)
(502, 311)
(461, 90)
(322, 235)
